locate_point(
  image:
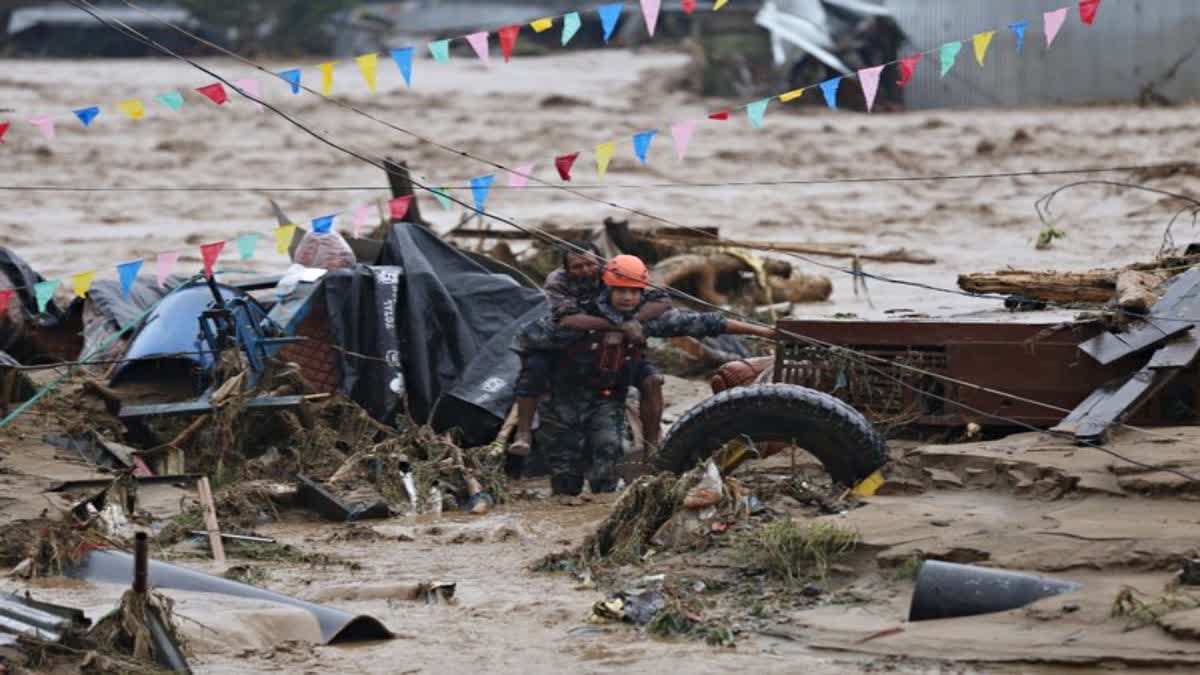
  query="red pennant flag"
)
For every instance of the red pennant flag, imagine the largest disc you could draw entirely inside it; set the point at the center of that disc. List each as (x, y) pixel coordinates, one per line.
(1087, 11)
(908, 66)
(508, 40)
(214, 92)
(3, 130)
(5, 296)
(689, 6)
(399, 207)
(209, 253)
(723, 115)
(564, 164)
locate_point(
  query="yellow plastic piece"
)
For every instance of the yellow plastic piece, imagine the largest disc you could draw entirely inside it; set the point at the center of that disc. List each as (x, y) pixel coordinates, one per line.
(868, 486)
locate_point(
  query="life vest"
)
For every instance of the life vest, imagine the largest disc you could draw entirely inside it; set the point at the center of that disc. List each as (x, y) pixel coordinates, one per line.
(604, 362)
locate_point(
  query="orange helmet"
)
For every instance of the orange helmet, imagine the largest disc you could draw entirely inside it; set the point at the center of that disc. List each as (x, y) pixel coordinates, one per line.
(626, 271)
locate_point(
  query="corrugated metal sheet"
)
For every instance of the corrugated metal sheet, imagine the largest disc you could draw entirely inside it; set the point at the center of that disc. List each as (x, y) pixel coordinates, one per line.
(1131, 44)
(39, 620)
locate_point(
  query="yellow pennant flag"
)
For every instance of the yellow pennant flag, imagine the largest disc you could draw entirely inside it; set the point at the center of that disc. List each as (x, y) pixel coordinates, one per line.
(133, 108)
(542, 25)
(283, 237)
(327, 78)
(604, 155)
(367, 64)
(82, 282)
(982, 40)
(791, 95)
(719, 4)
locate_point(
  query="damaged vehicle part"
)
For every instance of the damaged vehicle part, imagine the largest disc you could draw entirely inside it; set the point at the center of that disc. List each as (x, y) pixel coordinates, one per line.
(948, 590)
(319, 499)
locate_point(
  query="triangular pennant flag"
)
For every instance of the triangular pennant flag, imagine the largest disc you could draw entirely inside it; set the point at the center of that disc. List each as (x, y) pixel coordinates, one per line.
(480, 186)
(214, 92)
(609, 15)
(641, 144)
(681, 133)
(719, 4)
(164, 266)
(209, 254)
(323, 224)
(44, 292)
(443, 198)
(981, 42)
(650, 14)
(45, 124)
(1087, 11)
(86, 115)
(564, 163)
(327, 78)
(508, 40)
(756, 110)
(791, 95)
(171, 99)
(949, 53)
(830, 89)
(869, 79)
(362, 216)
(398, 207)
(404, 59)
(82, 282)
(293, 79)
(908, 66)
(1018, 30)
(246, 245)
(479, 43)
(3, 130)
(283, 238)
(368, 64)
(519, 177)
(133, 108)
(440, 50)
(127, 274)
(688, 6)
(1052, 23)
(722, 116)
(542, 25)
(6, 295)
(571, 24)
(604, 155)
(249, 85)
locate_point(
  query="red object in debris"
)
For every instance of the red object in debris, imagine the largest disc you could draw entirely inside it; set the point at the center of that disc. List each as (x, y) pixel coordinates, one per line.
(908, 66)
(140, 469)
(399, 207)
(3, 130)
(1087, 11)
(689, 6)
(214, 92)
(723, 115)
(564, 164)
(720, 526)
(508, 40)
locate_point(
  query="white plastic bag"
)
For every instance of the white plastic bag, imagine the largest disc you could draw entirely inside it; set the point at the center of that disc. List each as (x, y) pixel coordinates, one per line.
(326, 250)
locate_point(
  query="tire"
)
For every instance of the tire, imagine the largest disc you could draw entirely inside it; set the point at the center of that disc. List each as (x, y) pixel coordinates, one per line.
(836, 434)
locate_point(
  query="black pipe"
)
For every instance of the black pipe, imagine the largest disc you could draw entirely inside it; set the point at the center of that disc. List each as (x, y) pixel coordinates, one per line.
(141, 556)
(946, 590)
(166, 649)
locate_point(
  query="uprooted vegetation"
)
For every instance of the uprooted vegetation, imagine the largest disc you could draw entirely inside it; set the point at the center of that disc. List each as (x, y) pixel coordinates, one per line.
(790, 551)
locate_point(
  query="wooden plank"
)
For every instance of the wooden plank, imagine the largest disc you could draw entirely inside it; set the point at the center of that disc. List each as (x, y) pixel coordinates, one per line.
(1180, 352)
(203, 405)
(1182, 300)
(1119, 405)
(210, 520)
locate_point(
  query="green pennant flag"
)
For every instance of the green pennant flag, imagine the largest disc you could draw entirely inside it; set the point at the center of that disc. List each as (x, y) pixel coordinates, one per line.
(442, 197)
(949, 53)
(246, 245)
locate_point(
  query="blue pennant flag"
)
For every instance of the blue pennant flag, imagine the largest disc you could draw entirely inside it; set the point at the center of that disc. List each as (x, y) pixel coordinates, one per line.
(403, 58)
(293, 78)
(246, 245)
(323, 224)
(641, 144)
(127, 273)
(609, 14)
(479, 189)
(1018, 29)
(86, 115)
(755, 111)
(830, 89)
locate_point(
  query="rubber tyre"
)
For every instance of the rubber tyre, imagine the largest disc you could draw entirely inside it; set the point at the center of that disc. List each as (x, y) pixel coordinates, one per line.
(833, 432)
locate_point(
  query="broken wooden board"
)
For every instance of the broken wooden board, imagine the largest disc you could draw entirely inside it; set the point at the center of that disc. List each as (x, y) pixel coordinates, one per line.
(1181, 300)
(1109, 405)
(1180, 352)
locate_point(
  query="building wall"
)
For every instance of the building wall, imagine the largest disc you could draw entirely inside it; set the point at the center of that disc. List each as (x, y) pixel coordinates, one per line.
(1132, 43)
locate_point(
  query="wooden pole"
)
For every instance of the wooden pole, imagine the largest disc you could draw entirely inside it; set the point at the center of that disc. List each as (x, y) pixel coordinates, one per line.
(899, 256)
(210, 520)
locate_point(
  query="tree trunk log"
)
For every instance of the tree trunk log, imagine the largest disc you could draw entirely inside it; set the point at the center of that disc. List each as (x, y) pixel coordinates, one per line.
(1096, 286)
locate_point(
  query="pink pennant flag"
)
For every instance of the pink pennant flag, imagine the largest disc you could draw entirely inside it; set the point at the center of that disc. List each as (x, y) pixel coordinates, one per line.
(479, 42)
(650, 13)
(250, 86)
(681, 133)
(519, 177)
(869, 79)
(209, 254)
(164, 267)
(1053, 23)
(362, 216)
(45, 124)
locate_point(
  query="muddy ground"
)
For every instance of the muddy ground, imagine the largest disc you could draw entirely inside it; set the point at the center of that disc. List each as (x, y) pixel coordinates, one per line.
(1026, 502)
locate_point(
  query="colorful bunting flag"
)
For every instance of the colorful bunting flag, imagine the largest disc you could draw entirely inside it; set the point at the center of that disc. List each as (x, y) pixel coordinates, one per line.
(1018, 30)
(398, 207)
(681, 133)
(362, 216)
(44, 292)
(171, 99)
(249, 85)
(508, 40)
(1087, 11)
(688, 6)
(604, 155)
(440, 50)
(641, 144)
(133, 108)
(45, 124)
(127, 274)
(981, 41)
(164, 266)
(283, 238)
(404, 59)
(293, 79)
(6, 295)
(86, 115)
(908, 66)
(868, 78)
(368, 64)
(82, 282)
(519, 177)
(609, 15)
(214, 92)
(791, 95)
(564, 163)
(756, 110)
(480, 185)
(721, 116)
(1052, 22)
(650, 10)
(719, 4)
(323, 224)
(3, 130)
(327, 78)
(209, 254)
(949, 53)
(246, 245)
(542, 25)
(571, 24)
(830, 89)
(442, 197)
(479, 43)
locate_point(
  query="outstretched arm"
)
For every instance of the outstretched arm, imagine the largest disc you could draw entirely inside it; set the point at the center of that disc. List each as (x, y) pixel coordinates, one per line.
(652, 310)
(586, 322)
(742, 328)
(678, 323)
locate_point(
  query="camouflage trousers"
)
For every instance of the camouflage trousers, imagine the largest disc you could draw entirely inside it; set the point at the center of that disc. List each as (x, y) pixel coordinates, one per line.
(583, 437)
